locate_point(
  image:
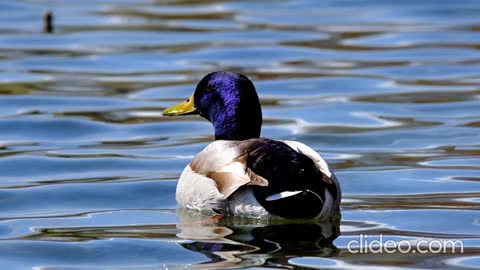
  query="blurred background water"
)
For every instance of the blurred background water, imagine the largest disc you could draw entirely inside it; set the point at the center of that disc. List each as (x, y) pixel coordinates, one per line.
(387, 91)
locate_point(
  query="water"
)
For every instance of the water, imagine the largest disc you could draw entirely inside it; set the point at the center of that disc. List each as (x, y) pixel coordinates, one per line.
(387, 91)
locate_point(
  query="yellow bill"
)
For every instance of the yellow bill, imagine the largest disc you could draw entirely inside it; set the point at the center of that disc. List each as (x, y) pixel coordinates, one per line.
(185, 107)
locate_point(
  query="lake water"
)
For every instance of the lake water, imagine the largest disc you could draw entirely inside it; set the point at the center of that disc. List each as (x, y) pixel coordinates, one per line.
(387, 91)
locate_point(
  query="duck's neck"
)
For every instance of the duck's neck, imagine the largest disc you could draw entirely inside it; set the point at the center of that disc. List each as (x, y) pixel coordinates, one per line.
(239, 124)
(237, 132)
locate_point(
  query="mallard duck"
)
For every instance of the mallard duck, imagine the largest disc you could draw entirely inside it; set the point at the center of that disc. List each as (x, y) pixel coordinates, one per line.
(242, 174)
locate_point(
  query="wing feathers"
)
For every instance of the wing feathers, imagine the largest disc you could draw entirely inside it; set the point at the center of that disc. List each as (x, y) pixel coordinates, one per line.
(319, 161)
(227, 182)
(281, 195)
(225, 163)
(255, 179)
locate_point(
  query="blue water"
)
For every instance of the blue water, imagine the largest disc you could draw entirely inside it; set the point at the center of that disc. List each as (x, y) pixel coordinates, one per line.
(387, 91)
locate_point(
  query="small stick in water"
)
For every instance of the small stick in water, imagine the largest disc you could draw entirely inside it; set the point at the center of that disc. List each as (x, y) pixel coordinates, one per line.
(48, 22)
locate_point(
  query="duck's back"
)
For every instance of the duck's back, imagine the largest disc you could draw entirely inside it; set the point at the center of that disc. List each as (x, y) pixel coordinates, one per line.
(260, 176)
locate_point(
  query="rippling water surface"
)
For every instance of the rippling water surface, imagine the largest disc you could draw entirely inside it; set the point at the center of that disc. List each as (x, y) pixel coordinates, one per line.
(387, 91)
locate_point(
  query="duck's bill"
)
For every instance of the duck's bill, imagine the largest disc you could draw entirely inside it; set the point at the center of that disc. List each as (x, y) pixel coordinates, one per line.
(186, 107)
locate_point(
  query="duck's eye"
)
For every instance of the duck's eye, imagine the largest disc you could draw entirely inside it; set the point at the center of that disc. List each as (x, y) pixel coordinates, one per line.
(208, 89)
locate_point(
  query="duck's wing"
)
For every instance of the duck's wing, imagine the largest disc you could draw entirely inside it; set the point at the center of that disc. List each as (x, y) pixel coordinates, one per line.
(214, 174)
(300, 183)
(313, 155)
(332, 185)
(225, 162)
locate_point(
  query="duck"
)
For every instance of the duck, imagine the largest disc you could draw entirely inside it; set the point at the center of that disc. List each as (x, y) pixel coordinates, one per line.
(241, 173)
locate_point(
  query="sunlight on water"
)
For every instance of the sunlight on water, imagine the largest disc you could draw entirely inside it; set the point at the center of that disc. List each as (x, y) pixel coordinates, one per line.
(387, 91)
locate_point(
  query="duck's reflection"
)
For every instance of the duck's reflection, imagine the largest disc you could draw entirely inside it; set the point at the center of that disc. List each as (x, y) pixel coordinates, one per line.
(240, 242)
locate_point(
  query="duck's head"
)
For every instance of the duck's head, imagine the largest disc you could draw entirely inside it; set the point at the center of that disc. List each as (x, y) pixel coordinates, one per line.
(229, 101)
